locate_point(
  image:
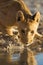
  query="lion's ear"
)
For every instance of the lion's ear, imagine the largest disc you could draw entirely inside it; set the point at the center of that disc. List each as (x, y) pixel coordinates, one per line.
(36, 16)
(20, 16)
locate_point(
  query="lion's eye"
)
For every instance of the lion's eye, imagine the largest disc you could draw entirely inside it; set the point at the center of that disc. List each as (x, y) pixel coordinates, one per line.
(32, 32)
(37, 20)
(15, 33)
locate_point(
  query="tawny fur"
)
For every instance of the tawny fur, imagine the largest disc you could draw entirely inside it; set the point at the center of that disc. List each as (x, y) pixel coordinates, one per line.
(15, 13)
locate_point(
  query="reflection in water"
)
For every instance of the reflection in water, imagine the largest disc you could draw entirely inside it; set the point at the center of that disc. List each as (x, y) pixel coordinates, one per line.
(26, 57)
(14, 57)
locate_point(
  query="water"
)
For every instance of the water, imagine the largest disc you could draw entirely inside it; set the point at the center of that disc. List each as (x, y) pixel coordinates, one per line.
(39, 58)
(6, 59)
(26, 57)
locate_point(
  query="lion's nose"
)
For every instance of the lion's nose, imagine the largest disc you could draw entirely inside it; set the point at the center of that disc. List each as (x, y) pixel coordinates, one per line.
(26, 43)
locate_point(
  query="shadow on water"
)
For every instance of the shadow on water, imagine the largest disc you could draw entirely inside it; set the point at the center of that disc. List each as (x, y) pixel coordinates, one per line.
(26, 57)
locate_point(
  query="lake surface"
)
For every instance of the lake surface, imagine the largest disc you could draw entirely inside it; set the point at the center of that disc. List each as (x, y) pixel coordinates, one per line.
(26, 57)
(39, 58)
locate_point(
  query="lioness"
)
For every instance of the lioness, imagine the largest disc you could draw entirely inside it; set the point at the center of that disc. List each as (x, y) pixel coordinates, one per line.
(15, 13)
